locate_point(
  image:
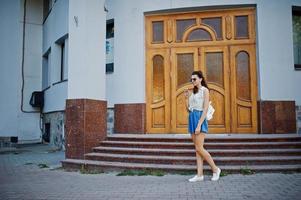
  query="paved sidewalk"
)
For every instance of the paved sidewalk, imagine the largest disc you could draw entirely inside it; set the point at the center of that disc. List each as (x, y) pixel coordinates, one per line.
(22, 178)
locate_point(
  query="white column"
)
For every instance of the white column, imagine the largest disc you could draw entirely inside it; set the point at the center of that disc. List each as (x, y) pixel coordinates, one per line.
(86, 55)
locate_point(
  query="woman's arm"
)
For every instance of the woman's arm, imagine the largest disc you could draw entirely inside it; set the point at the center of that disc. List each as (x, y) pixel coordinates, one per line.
(187, 94)
(205, 110)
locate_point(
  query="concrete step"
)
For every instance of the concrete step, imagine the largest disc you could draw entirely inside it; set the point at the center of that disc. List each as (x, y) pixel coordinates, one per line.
(118, 166)
(189, 145)
(174, 153)
(191, 160)
(191, 152)
(209, 138)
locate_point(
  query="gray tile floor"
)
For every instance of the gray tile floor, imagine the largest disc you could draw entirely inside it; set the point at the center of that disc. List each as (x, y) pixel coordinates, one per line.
(22, 178)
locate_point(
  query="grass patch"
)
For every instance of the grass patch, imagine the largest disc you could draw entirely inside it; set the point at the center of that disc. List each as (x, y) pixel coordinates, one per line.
(246, 171)
(224, 173)
(145, 172)
(43, 165)
(185, 173)
(84, 170)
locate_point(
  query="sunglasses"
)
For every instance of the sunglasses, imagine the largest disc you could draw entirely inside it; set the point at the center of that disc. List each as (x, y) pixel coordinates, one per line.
(193, 79)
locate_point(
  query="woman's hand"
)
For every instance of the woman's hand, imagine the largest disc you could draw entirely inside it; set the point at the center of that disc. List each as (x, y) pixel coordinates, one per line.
(186, 93)
(197, 130)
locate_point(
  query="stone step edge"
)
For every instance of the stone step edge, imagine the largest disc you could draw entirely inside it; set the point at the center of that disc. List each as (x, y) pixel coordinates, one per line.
(128, 156)
(291, 139)
(192, 150)
(208, 136)
(113, 166)
(206, 143)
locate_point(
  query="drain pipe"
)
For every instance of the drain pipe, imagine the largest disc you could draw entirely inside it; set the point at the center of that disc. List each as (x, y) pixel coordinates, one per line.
(22, 65)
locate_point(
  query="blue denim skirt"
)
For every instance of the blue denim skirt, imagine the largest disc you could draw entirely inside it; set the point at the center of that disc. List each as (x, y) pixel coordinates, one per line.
(193, 121)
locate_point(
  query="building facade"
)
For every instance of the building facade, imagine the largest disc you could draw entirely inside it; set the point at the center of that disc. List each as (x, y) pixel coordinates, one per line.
(118, 66)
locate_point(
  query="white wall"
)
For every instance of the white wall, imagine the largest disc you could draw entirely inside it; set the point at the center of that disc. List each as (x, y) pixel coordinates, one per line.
(13, 122)
(127, 83)
(10, 66)
(86, 57)
(56, 24)
(278, 79)
(54, 28)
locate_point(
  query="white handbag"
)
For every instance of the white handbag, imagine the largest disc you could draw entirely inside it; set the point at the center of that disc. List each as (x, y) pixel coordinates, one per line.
(210, 111)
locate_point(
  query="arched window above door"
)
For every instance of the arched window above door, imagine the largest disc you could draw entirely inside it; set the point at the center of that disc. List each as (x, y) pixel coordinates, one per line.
(182, 26)
(215, 23)
(199, 33)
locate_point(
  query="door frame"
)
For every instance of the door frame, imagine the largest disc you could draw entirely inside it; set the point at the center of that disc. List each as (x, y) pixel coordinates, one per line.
(228, 41)
(177, 92)
(235, 101)
(165, 53)
(218, 128)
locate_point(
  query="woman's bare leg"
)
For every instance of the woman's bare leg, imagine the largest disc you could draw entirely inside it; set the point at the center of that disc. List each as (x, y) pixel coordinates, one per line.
(199, 159)
(199, 145)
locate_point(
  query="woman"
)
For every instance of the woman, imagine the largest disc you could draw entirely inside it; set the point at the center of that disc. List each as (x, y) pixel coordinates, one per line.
(197, 103)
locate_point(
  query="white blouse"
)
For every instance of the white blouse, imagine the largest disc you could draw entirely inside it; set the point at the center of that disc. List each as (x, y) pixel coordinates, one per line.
(196, 101)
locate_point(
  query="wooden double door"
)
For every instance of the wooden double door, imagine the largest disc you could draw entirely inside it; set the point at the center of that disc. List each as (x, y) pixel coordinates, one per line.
(230, 72)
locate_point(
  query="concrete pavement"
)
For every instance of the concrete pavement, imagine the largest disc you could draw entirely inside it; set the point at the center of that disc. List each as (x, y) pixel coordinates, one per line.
(33, 173)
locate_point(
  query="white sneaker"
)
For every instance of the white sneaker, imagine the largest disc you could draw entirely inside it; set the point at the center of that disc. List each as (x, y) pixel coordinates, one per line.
(196, 178)
(216, 175)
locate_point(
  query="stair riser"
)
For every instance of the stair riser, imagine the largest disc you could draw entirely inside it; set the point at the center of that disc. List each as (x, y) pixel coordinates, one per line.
(191, 161)
(185, 140)
(207, 146)
(220, 154)
(181, 161)
(192, 170)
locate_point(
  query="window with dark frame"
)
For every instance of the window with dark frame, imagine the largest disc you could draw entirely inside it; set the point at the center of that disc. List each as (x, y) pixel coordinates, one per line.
(45, 9)
(110, 46)
(47, 6)
(62, 61)
(61, 74)
(110, 29)
(296, 11)
(45, 70)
